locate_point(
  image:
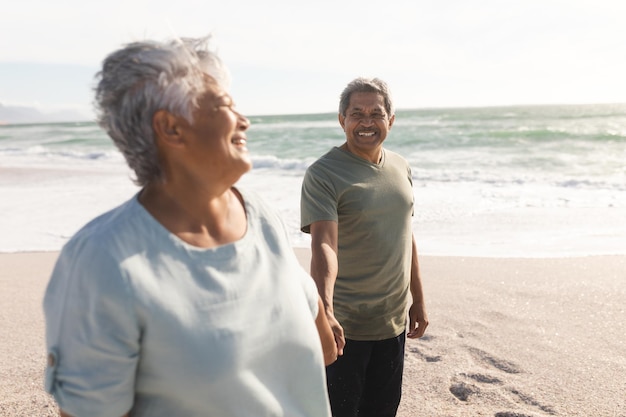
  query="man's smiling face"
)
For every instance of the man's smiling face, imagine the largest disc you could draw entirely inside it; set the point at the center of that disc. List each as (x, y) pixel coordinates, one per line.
(366, 123)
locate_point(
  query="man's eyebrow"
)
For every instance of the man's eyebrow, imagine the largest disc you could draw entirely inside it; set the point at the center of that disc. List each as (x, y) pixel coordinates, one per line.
(361, 109)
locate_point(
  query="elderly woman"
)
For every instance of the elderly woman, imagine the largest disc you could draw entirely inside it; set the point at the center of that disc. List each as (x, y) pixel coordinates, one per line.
(187, 300)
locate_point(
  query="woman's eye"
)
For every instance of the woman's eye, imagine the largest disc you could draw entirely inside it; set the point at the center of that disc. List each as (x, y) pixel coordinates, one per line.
(229, 105)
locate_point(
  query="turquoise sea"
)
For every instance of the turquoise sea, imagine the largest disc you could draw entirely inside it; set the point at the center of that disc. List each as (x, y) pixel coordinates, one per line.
(496, 181)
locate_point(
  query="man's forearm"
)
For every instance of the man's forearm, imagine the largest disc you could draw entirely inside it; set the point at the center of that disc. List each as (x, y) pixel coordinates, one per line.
(416, 289)
(324, 267)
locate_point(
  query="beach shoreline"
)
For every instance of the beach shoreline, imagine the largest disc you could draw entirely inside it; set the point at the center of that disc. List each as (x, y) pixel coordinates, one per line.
(509, 337)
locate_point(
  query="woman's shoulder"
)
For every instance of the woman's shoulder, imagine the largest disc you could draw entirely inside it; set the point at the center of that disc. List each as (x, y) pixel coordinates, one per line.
(102, 228)
(254, 202)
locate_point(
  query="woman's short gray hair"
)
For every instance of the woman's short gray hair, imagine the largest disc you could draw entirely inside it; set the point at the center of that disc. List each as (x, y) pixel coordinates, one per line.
(366, 85)
(144, 77)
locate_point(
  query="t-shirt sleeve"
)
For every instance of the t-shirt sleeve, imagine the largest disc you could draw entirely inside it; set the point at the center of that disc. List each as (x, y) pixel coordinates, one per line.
(92, 334)
(318, 200)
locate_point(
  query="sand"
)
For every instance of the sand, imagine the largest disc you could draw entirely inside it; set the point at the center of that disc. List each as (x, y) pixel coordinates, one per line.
(23, 277)
(508, 337)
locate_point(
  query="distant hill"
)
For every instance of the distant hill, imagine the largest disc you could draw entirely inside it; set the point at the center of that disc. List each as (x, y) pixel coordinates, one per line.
(22, 115)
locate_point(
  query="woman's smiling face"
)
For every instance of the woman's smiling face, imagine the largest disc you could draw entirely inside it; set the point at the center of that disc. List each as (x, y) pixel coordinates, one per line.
(217, 137)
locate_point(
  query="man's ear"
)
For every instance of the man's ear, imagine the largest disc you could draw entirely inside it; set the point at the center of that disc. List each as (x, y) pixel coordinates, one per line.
(167, 128)
(342, 121)
(391, 120)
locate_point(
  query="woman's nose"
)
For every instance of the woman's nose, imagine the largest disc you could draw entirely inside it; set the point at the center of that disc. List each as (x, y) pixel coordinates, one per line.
(244, 122)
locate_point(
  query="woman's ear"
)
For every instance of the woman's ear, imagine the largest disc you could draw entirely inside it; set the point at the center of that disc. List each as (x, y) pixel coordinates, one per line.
(167, 128)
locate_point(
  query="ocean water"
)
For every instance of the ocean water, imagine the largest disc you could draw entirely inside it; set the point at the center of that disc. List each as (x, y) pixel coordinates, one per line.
(533, 181)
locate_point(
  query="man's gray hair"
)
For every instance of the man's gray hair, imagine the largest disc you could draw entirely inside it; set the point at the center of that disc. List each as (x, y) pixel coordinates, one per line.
(366, 85)
(144, 77)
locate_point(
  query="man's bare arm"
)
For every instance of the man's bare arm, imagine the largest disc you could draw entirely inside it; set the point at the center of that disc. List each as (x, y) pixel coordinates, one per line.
(324, 268)
(418, 319)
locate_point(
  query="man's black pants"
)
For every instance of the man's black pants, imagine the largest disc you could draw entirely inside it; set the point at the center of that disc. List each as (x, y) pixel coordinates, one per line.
(367, 380)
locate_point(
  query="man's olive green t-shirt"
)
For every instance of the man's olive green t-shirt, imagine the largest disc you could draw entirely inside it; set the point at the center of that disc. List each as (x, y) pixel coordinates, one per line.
(373, 206)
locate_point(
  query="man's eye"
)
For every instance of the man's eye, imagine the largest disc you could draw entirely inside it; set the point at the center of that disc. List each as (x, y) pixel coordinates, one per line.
(374, 116)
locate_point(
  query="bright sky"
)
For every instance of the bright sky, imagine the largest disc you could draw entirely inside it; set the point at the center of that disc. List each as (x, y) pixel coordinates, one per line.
(288, 56)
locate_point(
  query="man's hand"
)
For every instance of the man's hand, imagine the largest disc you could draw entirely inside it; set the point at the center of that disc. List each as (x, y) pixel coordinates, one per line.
(418, 321)
(337, 331)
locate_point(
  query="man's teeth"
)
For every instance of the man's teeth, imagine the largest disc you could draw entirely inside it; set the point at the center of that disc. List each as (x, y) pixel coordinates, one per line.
(366, 133)
(239, 141)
